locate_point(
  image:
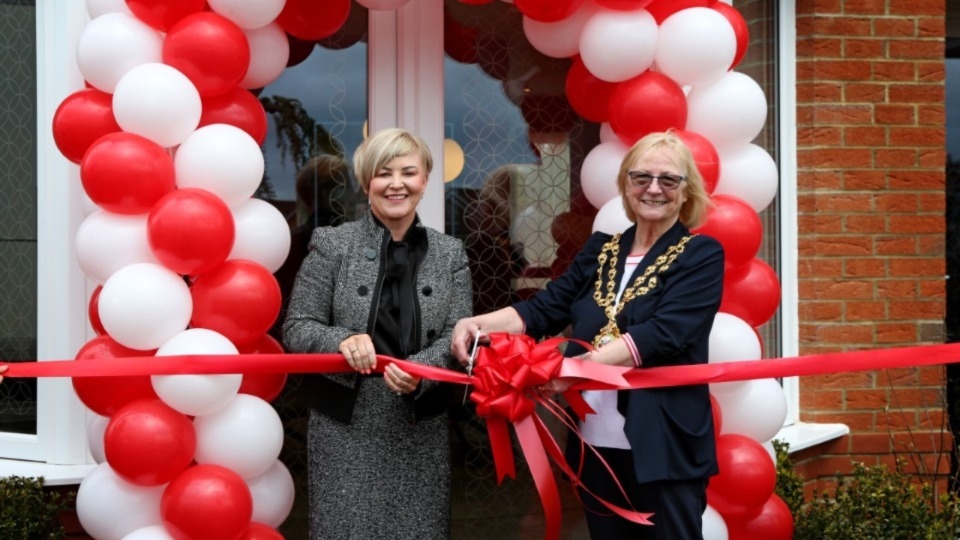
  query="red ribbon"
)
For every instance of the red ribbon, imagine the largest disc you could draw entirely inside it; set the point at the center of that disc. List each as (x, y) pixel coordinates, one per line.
(506, 376)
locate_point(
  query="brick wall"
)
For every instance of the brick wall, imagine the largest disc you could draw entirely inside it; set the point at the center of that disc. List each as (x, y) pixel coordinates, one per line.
(871, 156)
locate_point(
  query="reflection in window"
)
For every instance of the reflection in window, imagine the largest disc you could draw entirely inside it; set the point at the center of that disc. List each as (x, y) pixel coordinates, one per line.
(18, 212)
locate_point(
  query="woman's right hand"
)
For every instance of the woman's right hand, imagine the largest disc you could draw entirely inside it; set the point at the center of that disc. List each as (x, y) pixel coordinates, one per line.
(464, 334)
(359, 353)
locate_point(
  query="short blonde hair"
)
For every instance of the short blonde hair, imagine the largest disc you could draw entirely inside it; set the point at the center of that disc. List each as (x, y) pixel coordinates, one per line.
(694, 209)
(384, 146)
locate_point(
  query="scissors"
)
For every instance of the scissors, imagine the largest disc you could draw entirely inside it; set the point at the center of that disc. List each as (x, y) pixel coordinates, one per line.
(470, 361)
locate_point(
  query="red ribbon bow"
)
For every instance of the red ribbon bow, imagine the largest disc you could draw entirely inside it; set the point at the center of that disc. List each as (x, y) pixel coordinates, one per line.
(506, 377)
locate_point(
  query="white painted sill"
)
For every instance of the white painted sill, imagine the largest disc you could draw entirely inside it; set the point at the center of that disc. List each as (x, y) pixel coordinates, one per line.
(53, 475)
(803, 435)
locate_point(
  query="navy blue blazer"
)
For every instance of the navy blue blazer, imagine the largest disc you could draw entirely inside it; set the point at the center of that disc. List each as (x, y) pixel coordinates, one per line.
(670, 430)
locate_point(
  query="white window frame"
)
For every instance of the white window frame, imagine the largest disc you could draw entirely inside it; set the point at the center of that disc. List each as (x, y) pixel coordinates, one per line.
(58, 451)
(797, 434)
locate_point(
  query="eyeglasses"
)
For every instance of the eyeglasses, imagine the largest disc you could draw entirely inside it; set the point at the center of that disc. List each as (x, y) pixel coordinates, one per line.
(643, 180)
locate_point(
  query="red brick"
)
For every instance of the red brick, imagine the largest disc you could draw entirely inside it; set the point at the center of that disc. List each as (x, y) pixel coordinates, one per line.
(820, 311)
(916, 93)
(842, 245)
(915, 8)
(916, 49)
(895, 114)
(863, 311)
(889, 71)
(916, 224)
(864, 180)
(863, 48)
(895, 157)
(843, 114)
(864, 223)
(817, 267)
(847, 333)
(824, 400)
(894, 27)
(895, 245)
(916, 267)
(871, 399)
(915, 309)
(897, 288)
(865, 136)
(896, 333)
(870, 443)
(896, 202)
(919, 136)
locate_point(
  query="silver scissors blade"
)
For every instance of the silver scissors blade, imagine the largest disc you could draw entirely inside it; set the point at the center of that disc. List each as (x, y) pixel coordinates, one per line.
(470, 361)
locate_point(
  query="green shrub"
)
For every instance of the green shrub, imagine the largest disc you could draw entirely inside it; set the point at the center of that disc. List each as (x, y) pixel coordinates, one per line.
(28, 512)
(871, 503)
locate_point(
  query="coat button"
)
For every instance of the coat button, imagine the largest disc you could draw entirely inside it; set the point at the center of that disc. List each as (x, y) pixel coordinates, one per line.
(428, 290)
(362, 290)
(431, 334)
(370, 253)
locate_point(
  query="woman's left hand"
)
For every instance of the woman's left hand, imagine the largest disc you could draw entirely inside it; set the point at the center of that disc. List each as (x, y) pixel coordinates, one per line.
(399, 381)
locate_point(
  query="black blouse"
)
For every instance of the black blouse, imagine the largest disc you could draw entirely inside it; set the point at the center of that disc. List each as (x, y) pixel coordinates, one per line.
(395, 327)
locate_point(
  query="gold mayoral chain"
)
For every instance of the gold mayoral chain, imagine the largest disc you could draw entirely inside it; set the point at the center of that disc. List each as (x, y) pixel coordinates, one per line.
(641, 286)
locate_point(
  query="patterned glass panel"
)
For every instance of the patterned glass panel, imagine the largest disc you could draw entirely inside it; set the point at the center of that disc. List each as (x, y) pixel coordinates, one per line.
(316, 115)
(18, 211)
(518, 206)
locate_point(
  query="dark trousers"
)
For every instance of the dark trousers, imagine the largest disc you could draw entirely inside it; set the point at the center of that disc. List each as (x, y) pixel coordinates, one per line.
(677, 505)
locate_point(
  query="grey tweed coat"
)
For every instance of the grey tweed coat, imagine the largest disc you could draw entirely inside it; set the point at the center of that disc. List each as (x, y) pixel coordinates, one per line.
(376, 469)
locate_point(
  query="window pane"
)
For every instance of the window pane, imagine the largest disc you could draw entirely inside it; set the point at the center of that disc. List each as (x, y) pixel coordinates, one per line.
(18, 211)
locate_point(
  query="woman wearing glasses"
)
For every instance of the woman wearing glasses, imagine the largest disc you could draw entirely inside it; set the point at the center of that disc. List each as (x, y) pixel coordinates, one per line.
(643, 298)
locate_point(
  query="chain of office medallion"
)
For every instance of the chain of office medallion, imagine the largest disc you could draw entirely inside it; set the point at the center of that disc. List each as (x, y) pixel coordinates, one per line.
(644, 282)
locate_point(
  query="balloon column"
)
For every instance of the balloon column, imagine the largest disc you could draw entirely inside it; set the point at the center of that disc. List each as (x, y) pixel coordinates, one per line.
(167, 139)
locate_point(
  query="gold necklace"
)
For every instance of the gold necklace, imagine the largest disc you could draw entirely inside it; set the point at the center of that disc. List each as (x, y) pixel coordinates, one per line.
(640, 286)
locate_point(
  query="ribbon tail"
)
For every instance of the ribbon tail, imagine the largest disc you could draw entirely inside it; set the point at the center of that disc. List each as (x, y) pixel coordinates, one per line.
(499, 434)
(578, 404)
(542, 474)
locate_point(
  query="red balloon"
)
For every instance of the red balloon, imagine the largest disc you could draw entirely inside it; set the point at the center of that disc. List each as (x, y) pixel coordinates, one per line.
(191, 231)
(239, 299)
(106, 395)
(210, 50)
(312, 20)
(93, 312)
(209, 502)
(259, 531)
(459, 40)
(300, 49)
(266, 386)
(717, 416)
(747, 476)
(624, 5)
(148, 443)
(239, 108)
(736, 225)
(350, 32)
(740, 29)
(775, 522)
(752, 293)
(705, 156)
(661, 9)
(548, 10)
(588, 94)
(163, 14)
(647, 103)
(82, 118)
(125, 173)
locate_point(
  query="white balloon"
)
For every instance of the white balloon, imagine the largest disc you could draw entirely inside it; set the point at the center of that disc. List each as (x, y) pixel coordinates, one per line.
(696, 46)
(598, 175)
(269, 52)
(157, 102)
(757, 410)
(730, 112)
(559, 39)
(262, 236)
(143, 305)
(611, 218)
(245, 436)
(732, 339)
(96, 427)
(247, 14)
(222, 159)
(382, 5)
(714, 527)
(106, 242)
(197, 395)
(96, 8)
(110, 508)
(607, 134)
(153, 532)
(113, 44)
(749, 173)
(618, 45)
(273, 493)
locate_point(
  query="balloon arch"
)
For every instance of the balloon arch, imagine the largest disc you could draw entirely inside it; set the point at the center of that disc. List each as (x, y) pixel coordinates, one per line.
(167, 138)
